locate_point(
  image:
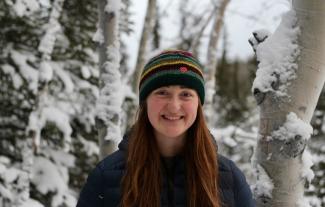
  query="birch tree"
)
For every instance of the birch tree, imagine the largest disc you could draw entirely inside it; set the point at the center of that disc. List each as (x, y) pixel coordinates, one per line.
(289, 80)
(146, 37)
(109, 104)
(212, 58)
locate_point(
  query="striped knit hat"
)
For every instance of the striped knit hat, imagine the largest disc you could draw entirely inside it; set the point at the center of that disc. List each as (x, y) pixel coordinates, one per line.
(172, 67)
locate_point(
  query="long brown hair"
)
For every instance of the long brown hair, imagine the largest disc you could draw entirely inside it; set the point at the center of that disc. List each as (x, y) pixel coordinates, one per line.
(141, 183)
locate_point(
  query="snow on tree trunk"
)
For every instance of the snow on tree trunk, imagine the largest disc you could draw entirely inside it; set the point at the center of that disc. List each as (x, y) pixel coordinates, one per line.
(212, 59)
(289, 80)
(109, 104)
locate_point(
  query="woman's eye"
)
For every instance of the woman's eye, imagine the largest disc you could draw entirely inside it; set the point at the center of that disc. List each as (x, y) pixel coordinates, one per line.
(187, 94)
(161, 92)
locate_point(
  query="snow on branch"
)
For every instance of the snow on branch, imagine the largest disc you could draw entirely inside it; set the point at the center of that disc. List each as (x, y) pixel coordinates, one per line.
(42, 170)
(26, 70)
(98, 36)
(293, 128)
(25, 7)
(38, 119)
(277, 55)
(113, 6)
(17, 81)
(307, 162)
(47, 42)
(109, 104)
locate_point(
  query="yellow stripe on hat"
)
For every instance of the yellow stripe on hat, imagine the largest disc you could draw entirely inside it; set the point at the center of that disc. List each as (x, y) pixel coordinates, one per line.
(173, 63)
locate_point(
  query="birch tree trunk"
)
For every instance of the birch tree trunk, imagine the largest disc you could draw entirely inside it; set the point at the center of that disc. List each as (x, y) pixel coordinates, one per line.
(146, 35)
(284, 128)
(196, 42)
(110, 100)
(212, 59)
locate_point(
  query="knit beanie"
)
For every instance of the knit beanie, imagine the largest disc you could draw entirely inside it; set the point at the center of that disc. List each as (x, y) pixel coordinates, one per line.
(172, 67)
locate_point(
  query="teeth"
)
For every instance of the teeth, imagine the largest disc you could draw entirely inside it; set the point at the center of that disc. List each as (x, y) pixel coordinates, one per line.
(173, 117)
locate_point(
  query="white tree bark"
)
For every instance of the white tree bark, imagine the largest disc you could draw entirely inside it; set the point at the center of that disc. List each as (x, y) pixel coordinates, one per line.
(212, 59)
(279, 159)
(109, 104)
(146, 35)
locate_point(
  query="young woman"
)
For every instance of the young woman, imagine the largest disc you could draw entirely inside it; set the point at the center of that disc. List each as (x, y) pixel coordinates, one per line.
(168, 158)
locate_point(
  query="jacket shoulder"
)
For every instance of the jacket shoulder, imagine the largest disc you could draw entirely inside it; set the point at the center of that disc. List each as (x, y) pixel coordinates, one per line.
(233, 183)
(103, 182)
(224, 163)
(114, 161)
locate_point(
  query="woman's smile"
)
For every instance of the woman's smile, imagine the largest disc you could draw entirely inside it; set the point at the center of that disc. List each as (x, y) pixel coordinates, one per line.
(172, 118)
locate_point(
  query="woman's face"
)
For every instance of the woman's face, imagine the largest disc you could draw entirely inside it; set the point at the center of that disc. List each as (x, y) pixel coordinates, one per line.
(172, 110)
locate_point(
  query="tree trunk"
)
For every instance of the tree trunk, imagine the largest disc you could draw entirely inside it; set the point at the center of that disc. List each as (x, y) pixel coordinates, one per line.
(146, 35)
(110, 100)
(197, 40)
(284, 120)
(212, 59)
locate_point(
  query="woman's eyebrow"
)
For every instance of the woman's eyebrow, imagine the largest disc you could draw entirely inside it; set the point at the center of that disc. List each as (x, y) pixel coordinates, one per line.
(186, 87)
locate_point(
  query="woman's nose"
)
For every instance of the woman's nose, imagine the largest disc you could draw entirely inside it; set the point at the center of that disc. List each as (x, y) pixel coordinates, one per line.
(174, 104)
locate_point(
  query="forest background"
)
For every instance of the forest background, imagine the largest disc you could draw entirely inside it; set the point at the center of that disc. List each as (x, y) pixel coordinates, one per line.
(50, 81)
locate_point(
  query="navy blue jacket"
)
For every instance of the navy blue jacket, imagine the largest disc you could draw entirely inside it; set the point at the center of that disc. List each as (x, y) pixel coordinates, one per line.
(102, 188)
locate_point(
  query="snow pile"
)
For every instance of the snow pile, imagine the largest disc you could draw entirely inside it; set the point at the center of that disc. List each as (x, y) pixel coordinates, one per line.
(314, 201)
(47, 177)
(292, 128)
(277, 55)
(25, 7)
(303, 202)
(264, 185)
(38, 119)
(307, 162)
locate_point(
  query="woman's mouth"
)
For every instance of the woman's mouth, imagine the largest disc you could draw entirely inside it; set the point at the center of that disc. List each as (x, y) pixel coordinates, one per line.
(172, 118)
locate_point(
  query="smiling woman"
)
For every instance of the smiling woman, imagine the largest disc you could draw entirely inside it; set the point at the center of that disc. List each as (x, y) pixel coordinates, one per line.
(169, 157)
